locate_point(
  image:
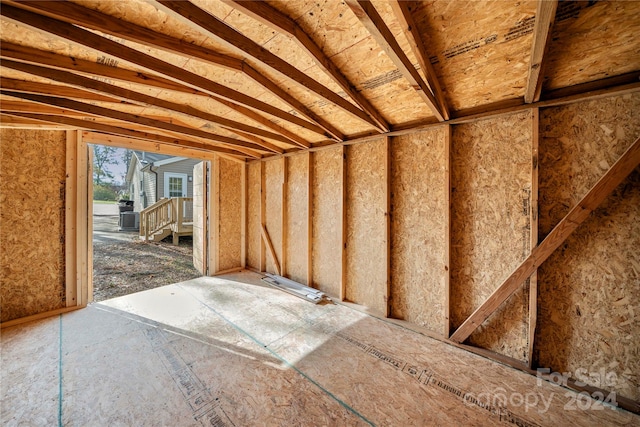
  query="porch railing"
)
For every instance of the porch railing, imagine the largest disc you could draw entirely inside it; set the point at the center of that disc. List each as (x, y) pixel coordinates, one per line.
(172, 213)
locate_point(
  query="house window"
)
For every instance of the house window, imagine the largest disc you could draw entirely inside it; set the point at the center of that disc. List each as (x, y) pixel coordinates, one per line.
(175, 185)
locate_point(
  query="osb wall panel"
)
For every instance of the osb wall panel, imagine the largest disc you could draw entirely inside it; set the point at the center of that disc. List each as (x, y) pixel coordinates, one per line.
(273, 186)
(32, 222)
(419, 219)
(606, 29)
(253, 214)
(297, 196)
(327, 225)
(589, 296)
(199, 185)
(366, 246)
(490, 229)
(230, 211)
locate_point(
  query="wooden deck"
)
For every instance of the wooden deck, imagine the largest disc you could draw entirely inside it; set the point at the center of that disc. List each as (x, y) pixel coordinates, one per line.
(169, 216)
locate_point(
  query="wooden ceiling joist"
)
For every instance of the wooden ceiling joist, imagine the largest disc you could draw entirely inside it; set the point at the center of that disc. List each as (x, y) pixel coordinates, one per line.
(545, 16)
(272, 17)
(131, 118)
(78, 15)
(115, 130)
(403, 10)
(373, 22)
(576, 216)
(36, 56)
(91, 40)
(204, 22)
(129, 95)
(55, 90)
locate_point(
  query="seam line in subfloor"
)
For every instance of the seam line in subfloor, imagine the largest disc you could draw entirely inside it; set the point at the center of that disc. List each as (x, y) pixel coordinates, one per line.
(282, 359)
(60, 375)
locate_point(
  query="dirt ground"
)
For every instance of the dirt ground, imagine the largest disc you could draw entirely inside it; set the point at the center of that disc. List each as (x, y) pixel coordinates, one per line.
(123, 264)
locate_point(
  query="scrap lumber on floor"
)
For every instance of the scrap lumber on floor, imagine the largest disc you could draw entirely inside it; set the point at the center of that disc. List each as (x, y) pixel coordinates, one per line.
(230, 351)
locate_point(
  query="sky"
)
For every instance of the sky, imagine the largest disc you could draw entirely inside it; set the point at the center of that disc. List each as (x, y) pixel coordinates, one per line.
(118, 170)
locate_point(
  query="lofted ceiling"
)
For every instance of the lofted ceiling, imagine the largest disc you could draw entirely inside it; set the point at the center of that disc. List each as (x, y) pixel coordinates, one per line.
(258, 78)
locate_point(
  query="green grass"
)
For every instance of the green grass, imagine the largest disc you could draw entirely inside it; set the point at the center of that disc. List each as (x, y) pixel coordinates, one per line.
(104, 202)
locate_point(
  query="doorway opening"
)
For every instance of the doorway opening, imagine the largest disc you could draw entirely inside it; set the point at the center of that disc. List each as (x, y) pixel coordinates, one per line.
(142, 221)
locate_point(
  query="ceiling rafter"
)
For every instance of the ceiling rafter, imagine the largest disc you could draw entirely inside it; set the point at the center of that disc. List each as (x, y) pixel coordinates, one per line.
(78, 15)
(545, 17)
(129, 95)
(272, 17)
(373, 22)
(208, 24)
(35, 56)
(91, 40)
(131, 118)
(55, 90)
(403, 10)
(115, 130)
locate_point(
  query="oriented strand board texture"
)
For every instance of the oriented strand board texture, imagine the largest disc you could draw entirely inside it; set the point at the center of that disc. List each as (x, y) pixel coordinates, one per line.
(199, 233)
(273, 182)
(327, 225)
(366, 246)
(607, 30)
(469, 41)
(490, 229)
(419, 219)
(297, 197)
(590, 288)
(32, 222)
(253, 215)
(230, 211)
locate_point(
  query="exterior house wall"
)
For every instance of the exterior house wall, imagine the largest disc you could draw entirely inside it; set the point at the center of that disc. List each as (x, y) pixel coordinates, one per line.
(183, 167)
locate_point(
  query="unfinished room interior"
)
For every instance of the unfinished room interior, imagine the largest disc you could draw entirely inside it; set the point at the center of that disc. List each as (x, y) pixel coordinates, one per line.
(407, 213)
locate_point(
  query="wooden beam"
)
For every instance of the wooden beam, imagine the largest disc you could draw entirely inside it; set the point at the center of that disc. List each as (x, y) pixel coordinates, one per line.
(387, 225)
(269, 245)
(132, 118)
(37, 56)
(260, 78)
(214, 216)
(54, 90)
(129, 95)
(446, 262)
(71, 181)
(284, 216)
(83, 190)
(576, 216)
(244, 195)
(91, 40)
(115, 130)
(545, 16)
(310, 219)
(373, 22)
(533, 233)
(92, 137)
(272, 17)
(343, 225)
(89, 18)
(263, 215)
(403, 10)
(204, 22)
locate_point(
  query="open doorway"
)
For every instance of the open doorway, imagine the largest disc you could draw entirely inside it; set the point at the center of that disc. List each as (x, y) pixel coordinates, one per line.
(142, 221)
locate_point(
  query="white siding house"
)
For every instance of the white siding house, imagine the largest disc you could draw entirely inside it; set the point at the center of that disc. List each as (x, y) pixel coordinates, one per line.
(151, 177)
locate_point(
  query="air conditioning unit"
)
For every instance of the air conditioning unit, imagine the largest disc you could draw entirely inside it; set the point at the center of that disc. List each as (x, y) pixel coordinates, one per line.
(129, 221)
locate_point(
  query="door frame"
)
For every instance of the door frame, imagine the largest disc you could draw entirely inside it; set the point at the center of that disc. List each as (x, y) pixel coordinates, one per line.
(169, 175)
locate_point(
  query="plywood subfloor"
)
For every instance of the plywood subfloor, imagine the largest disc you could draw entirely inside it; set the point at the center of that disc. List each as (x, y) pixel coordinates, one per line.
(229, 351)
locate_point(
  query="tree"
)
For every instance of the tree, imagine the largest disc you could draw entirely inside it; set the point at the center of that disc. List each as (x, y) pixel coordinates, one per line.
(126, 156)
(103, 157)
